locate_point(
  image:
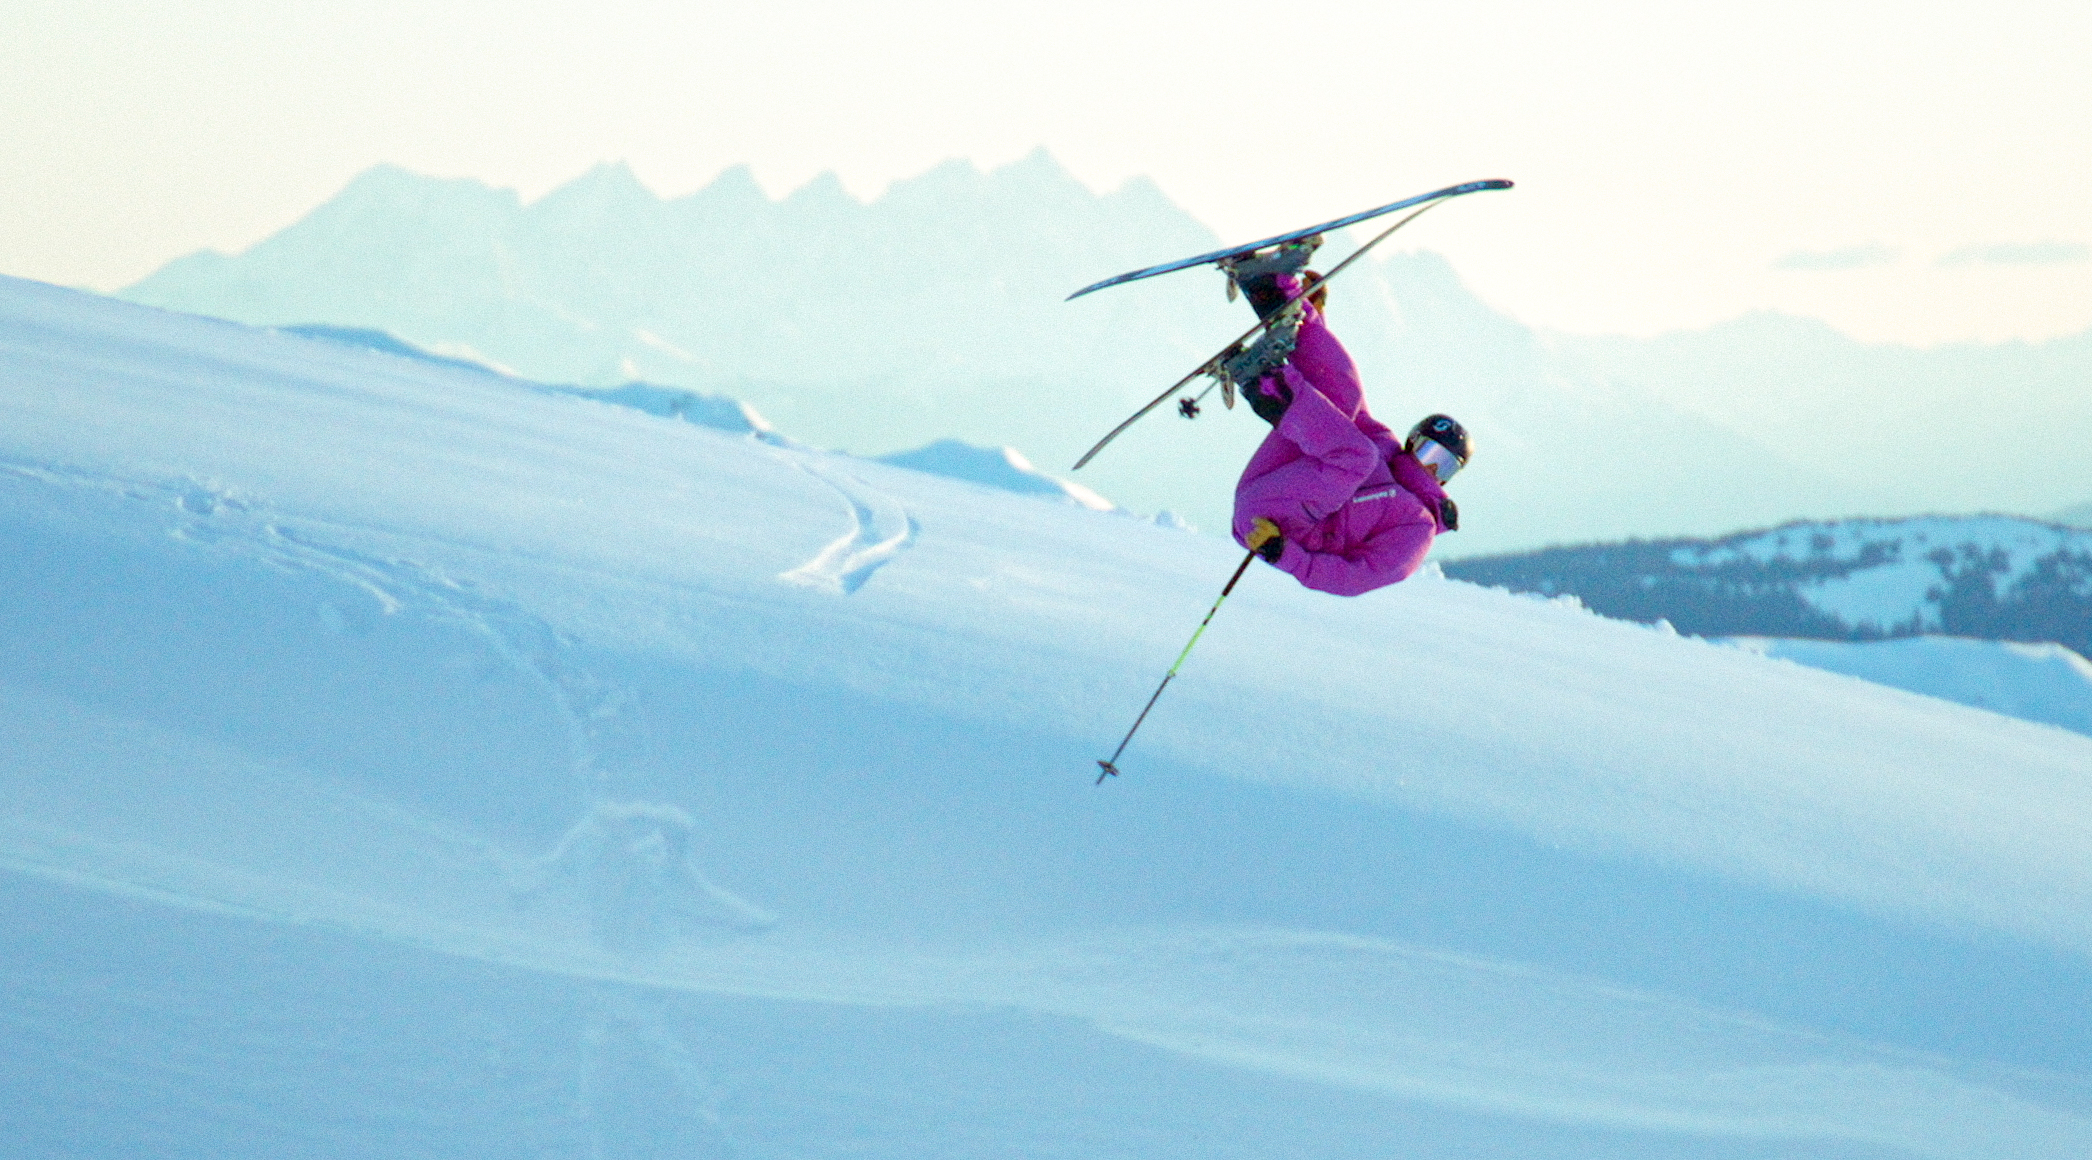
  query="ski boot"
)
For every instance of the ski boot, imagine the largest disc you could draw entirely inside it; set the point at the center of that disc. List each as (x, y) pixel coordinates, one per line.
(1256, 274)
(1255, 371)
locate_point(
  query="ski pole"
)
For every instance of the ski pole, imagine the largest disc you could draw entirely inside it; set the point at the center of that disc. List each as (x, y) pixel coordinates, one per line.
(1110, 766)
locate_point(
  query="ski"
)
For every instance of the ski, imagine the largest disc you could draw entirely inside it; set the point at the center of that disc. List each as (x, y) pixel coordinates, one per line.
(1296, 235)
(1189, 407)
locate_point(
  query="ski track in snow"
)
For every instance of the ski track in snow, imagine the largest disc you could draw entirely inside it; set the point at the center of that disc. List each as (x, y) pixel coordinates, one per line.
(880, 529)
(628, 865)
(631, 862)
(587, 703)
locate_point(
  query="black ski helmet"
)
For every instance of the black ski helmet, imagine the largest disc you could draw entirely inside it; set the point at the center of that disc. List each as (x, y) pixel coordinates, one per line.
(1447, 433)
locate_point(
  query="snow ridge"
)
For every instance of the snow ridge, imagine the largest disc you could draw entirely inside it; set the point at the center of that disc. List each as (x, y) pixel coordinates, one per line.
(2033, 682)
(1000, 467)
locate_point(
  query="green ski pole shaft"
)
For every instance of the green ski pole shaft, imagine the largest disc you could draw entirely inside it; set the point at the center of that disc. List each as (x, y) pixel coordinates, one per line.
(1110, 765)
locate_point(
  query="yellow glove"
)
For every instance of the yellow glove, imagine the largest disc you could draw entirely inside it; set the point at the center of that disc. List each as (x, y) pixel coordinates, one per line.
(1266, 540)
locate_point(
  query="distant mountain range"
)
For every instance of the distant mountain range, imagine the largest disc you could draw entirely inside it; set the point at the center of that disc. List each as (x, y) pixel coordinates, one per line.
(935, 311)
(1994, 577)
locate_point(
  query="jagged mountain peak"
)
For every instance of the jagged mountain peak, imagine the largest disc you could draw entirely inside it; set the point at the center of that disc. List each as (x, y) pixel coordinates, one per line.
(606, 185)
(1038, 169)
(599, 210)
(1141, 189)
(1426, 278)
(390, 188)
(1036, 174)
(735, 185)
(950, 171)
(952, 186)
(824, 190)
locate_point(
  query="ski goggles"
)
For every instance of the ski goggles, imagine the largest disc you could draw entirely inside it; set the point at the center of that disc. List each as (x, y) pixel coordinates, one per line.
(1441, 463)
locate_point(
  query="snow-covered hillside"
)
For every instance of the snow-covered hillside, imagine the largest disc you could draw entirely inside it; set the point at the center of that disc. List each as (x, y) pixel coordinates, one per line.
(403, 760)
(2034, 682)
(936, 311)
(1004, 468)
(1995, 577)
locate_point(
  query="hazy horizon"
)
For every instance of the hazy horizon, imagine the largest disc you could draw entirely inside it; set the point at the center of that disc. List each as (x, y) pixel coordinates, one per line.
(830, 180)
(1910, 175)
(953, 324)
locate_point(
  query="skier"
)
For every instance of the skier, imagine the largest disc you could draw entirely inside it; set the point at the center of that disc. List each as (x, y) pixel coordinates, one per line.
(1330, 496)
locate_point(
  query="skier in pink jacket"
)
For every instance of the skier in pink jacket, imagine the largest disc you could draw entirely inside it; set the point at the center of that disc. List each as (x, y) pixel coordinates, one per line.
(1331, 496)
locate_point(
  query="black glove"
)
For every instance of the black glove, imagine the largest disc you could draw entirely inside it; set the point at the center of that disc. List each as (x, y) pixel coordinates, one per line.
(1449, 514)
(1269, 407)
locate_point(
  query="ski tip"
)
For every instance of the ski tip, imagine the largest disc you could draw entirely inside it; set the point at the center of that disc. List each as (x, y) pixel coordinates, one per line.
(1109, 769)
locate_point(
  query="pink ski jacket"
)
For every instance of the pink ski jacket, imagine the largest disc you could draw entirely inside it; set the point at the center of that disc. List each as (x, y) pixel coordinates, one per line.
(1357, 512)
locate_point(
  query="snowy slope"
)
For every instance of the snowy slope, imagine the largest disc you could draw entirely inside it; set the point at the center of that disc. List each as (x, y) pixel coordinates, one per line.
(402, 760)
(1001, 467)
(2034, 682)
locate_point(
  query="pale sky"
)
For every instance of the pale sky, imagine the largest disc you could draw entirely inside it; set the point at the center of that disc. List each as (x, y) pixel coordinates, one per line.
(1914, 172)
